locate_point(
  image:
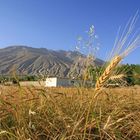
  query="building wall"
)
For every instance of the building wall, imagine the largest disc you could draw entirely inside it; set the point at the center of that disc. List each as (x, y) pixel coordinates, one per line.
(57, 82)
(51, 82)
(63, 82)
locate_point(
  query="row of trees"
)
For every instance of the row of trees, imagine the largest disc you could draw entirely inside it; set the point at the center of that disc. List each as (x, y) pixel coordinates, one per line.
(131, 73)
(16, 78)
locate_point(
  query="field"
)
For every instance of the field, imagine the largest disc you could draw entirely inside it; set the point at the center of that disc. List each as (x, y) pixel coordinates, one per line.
(33, 113)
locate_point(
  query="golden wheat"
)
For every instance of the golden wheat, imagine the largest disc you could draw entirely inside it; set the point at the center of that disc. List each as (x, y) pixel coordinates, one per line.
(117, 77)
(106, 74)
(128, 40)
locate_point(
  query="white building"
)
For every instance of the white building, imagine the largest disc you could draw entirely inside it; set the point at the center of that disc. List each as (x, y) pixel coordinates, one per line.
(58, 82)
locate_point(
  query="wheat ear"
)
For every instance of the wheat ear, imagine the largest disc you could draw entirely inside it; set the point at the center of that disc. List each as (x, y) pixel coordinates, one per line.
(117, 77)
(106, 74)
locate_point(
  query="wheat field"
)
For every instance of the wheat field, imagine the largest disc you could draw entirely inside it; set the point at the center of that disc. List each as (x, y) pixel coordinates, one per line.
(30, 113)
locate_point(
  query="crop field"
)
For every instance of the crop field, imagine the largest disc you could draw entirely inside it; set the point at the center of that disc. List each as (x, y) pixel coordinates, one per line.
(65, 70)
(38, 113)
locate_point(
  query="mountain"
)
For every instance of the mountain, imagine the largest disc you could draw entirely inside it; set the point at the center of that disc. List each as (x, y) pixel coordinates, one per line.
(28, 60)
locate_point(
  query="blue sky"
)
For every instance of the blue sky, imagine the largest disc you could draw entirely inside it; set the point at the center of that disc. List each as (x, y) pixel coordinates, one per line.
(56, 24)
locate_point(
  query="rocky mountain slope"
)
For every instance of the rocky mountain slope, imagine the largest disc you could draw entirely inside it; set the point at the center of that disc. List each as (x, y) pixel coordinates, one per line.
(27, 60)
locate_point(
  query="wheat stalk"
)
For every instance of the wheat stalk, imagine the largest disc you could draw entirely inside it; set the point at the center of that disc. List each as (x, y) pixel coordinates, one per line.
(106, 74)
(117, 77)
(129, 42)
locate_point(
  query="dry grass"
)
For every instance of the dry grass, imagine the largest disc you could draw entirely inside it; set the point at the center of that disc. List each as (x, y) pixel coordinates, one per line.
(60, 113)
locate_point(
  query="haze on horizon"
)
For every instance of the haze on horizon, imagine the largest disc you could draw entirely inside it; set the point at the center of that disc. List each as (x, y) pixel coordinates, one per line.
(57, 24)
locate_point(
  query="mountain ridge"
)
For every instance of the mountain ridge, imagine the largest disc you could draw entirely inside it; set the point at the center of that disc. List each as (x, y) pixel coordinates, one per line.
(29, 60)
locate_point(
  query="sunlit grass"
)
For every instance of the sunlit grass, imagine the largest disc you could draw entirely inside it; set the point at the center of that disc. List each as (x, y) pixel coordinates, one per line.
(59, 113)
